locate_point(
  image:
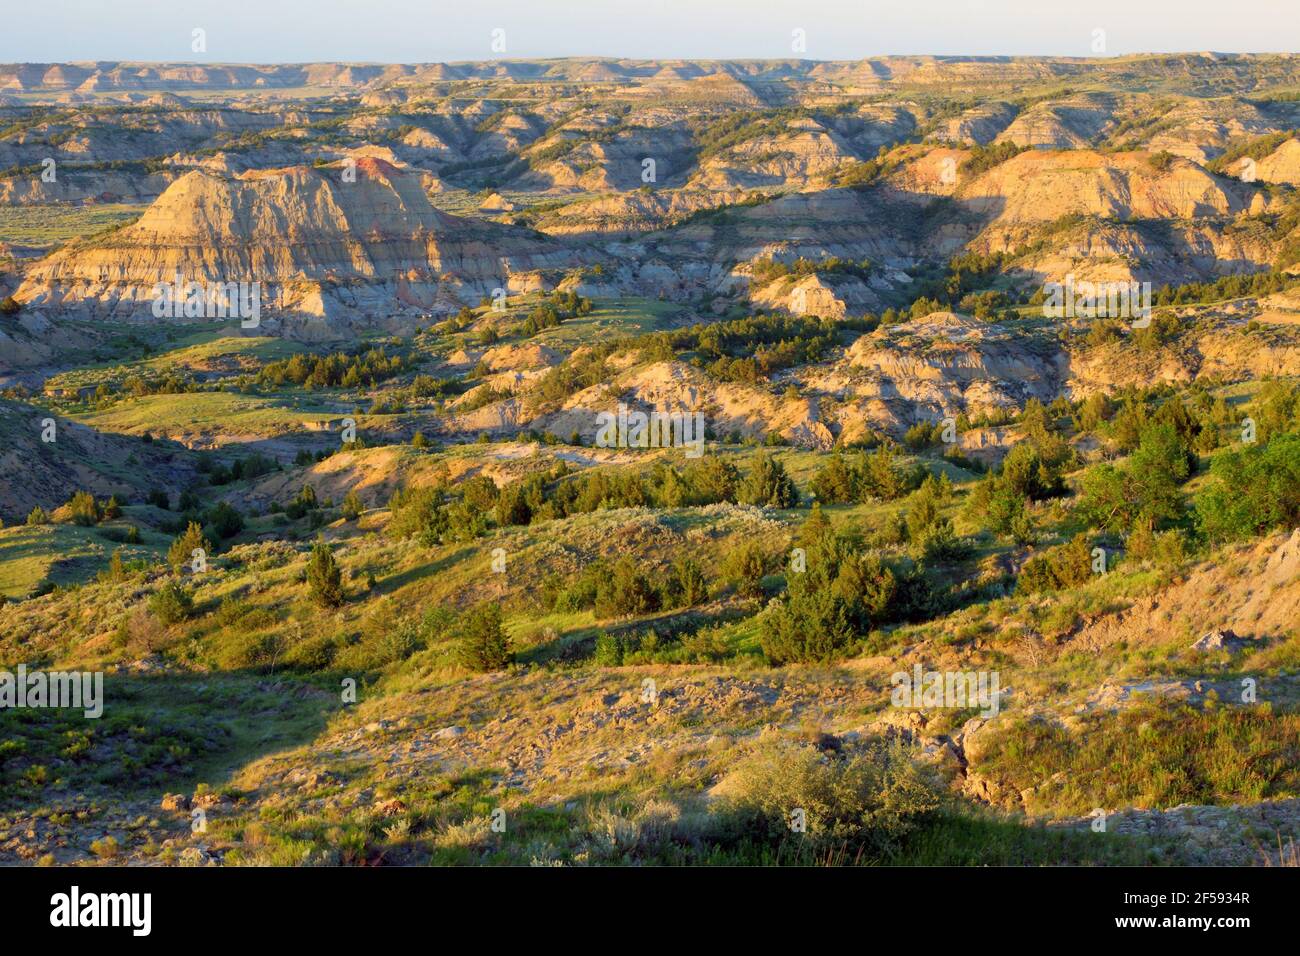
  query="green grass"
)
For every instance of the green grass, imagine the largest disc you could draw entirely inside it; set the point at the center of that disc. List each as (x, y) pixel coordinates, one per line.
(608, 319)
(445, 822)
(467, 202)
(162, 733)
(631, 316)
(48, 225)
(27, 555)
(63, 554)
(981, 839)
(204, 351)
(227, 412)
(1153, 755)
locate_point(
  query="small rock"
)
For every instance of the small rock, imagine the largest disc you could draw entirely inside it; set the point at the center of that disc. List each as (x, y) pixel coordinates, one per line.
(828, 743)
(194, 856)
(1220, 640)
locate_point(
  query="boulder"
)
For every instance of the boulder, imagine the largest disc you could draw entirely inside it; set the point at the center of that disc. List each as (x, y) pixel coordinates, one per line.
(1220, 640)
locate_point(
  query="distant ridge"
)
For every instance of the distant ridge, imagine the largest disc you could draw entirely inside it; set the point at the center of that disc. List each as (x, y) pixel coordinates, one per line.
(1211, 70)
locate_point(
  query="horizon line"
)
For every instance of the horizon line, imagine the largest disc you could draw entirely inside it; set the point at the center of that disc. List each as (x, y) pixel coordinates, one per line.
(613, 58)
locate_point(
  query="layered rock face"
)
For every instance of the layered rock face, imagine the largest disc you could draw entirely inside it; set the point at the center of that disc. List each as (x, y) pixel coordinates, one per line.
(1071, 124)
(1044, 185)
(1282, 165)
(343, 242)
(751, 160)
(76, 186)
(818, 295)
(678, 389)
(939, 366)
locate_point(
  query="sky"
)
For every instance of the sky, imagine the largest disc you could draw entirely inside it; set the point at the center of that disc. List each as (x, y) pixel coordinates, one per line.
(420, 31)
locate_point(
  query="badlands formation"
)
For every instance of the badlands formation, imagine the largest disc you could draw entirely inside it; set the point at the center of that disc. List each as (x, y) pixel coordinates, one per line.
(303, 370)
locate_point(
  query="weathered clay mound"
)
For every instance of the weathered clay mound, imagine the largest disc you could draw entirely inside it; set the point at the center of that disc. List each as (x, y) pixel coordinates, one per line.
(321, 243)
(1043, 186)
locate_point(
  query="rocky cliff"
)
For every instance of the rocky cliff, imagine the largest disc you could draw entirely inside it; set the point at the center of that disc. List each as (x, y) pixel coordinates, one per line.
(346, 243)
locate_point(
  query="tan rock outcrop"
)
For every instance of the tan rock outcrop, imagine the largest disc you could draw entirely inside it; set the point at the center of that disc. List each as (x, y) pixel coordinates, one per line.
(320, 245)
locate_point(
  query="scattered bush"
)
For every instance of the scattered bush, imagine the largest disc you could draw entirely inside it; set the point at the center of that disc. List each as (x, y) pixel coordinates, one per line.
(768, 485)
(866, 802)
(324, 579)
(181, 552)
(483, 645)
(1066, 566)
(171, 603)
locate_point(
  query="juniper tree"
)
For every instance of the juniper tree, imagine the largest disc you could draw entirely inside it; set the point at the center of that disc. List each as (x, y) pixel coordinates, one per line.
(324, 578)
(116, 570)
(352, 506)
(483, 644)
(83, 509)
(767, 484)
(184, 545)
(171, 603)
(834, 483)
(745, 568)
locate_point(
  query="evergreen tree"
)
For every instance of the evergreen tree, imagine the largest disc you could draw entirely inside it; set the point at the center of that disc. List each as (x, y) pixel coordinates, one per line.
(171, 603)
(767, 484)
(83, 509)
(689, 586)
(883, 476)
(484, 645)
(833, 483)
(324, 578)
(745, 568)
(626, 591)
(116, 571)
(352, 506)
(712, 479)
(181, 552)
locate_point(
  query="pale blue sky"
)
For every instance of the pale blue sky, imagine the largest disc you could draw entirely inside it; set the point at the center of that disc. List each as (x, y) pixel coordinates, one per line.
(436, 30)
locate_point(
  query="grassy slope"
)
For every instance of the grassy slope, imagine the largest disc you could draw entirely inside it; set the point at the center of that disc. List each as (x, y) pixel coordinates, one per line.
(251, 613)
(225, 412)
(52, 224)
(198, 352)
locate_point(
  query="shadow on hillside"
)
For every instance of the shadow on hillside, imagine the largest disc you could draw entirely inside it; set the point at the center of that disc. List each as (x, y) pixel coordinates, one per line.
(668, 628)
(396, 582)
(158, 734)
